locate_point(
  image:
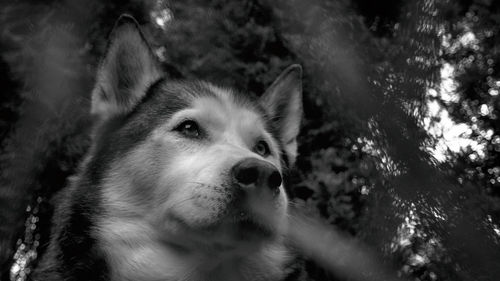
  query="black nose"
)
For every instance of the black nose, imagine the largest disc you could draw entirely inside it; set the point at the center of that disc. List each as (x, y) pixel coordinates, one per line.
(254, 172)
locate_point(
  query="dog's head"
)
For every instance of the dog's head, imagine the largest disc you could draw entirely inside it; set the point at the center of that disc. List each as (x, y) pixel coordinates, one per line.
(202, 164)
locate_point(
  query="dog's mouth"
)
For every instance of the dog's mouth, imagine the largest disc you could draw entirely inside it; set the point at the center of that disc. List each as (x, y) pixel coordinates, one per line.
(238, 229)
(248, 227)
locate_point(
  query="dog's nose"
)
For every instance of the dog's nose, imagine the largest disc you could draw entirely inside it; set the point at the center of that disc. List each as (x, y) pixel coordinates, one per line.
(251, 172)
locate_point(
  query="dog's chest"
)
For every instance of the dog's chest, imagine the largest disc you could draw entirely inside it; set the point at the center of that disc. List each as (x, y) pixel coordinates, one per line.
(134, 252)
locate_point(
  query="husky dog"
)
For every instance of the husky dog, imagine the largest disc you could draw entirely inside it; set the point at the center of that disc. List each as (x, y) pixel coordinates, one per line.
(183, 180)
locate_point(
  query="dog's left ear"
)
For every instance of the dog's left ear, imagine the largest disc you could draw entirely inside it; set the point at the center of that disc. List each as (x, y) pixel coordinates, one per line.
(283, 102)
(129, 67)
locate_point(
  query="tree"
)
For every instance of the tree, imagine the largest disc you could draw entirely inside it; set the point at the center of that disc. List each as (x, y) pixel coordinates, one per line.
(363, 165)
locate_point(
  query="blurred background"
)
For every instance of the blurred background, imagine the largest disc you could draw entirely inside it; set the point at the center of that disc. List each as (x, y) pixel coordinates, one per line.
(399, 148)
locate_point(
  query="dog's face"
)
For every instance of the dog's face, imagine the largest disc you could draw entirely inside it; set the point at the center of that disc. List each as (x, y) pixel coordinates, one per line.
(202, 164)
(221, 178)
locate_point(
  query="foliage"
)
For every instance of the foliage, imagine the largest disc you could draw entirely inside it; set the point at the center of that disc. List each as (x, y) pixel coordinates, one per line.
(362, 166)
(474, 53)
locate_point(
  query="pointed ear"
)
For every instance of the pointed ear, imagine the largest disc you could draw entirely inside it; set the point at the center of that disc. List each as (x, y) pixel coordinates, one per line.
(129, 67)
(283, 102)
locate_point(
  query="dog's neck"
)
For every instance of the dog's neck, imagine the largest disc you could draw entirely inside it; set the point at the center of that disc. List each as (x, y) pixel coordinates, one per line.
(135, 252)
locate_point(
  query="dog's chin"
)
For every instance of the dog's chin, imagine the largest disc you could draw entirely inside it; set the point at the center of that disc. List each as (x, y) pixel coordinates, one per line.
(241, 233)
(247, 228)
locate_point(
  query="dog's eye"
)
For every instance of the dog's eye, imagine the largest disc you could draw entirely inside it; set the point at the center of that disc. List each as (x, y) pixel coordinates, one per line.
(262, 148)
(189, 128)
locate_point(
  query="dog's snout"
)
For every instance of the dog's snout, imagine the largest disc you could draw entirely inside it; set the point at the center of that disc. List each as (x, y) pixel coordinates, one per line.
(254, 172)
(246, 174)
(274, 180)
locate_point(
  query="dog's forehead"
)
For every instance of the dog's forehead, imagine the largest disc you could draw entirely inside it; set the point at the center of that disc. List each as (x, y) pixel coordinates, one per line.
(226, 109)
(212, 101)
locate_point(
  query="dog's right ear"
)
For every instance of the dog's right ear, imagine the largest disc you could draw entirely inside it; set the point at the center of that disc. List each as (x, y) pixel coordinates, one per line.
(129, 67)
(283, 103)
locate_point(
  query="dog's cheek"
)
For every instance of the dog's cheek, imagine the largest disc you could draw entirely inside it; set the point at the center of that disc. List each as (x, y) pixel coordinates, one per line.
(149, 163)
(129, 185)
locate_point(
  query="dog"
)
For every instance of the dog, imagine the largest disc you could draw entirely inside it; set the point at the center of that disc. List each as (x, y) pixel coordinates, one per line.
(183, 180)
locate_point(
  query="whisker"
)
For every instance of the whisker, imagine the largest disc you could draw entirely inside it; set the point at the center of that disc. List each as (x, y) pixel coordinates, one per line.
(175, 204)
(196, 182)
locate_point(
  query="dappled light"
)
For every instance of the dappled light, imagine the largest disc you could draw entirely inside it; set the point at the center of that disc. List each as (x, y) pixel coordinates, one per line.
(398, 169)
